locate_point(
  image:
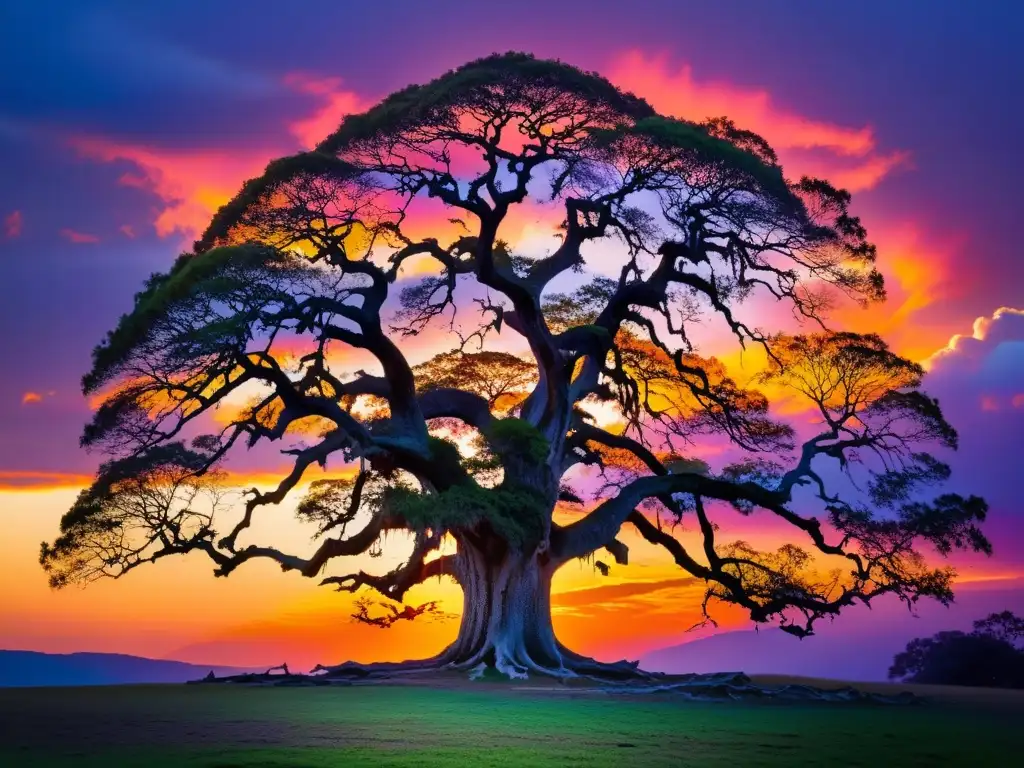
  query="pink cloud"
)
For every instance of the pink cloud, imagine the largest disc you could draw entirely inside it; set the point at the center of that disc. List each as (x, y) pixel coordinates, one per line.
(335, 103)
(12, 225)
(193, 182)
(848, 156)
(127, 231)
(31, 397)
(190, 183)
(78, 237)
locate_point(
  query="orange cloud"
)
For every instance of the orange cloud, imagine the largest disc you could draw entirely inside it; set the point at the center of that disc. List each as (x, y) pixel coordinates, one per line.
(853, 159)
(858, 177)
(1018, 401)
(918, 269)
(192, 183)
(78, 237)
(31, 480)
(35, 397)
(12, 225)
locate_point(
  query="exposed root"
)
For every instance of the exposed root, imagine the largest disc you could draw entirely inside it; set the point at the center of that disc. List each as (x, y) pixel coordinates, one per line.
(728, 686)
(477, 672)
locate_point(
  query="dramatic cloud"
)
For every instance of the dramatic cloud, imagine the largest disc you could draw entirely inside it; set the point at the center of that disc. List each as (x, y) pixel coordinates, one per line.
(22, 480)
(979, 379)
(987, 363)
(189, 183)
(849, 157)
(922, 269)
(335, 103)
(183, 104)
(192, 181)
(12, 225)
(1005, 324)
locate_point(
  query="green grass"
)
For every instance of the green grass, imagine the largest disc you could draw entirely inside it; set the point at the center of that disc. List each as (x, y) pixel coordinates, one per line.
(155, 726)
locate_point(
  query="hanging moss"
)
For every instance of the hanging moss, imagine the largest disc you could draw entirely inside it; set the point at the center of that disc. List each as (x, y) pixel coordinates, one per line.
(445, 454)
(515, 513)
(518, 437)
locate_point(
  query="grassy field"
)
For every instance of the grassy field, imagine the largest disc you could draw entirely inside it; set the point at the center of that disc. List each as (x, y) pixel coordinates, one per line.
(489, 725)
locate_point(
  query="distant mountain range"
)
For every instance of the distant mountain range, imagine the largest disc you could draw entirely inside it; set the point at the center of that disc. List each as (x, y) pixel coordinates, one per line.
(859, 646)
(772, 651)
(30, 668)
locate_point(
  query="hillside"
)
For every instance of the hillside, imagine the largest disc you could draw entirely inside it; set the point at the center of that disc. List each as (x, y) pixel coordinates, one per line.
(30, 668)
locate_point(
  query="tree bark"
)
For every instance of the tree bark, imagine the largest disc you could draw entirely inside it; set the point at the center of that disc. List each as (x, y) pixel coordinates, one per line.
(506, 619)
(506, 613)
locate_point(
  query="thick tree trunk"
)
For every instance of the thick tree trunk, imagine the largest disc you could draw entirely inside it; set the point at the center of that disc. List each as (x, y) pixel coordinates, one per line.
(506, 616)
(506, 621)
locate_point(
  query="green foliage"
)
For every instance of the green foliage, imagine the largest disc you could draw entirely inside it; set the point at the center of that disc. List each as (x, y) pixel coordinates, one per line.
(724, 203)
(596, 330)
(580, 308)
(328, 504)
(189, 274)
(499, 377)
(278, 172)
(697, 141)
(132, 503)
(434, 102)
(681, 465)
(726, 129)
(513, 436)
(445, 454)
(515, 513)
(896, 485)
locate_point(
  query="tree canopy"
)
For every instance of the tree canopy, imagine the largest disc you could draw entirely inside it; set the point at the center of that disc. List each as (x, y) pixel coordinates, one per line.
(399, 224)
(991, 655)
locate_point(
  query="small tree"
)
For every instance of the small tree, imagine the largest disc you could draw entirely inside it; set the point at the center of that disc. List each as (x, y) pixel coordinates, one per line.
(1005, 626)
(664, 224)
(985, 657)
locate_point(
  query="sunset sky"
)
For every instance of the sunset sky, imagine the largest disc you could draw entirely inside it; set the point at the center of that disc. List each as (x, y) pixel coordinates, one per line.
(124, 125)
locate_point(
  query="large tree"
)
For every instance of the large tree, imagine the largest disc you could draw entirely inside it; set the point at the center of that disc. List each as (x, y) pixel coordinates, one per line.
(401, 222)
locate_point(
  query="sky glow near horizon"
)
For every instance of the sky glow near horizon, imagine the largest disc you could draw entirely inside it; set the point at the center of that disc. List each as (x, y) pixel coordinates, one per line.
(129, 126)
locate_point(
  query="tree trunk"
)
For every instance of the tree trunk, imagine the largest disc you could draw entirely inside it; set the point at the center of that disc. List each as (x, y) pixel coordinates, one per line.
(506, 614)
(506, 621)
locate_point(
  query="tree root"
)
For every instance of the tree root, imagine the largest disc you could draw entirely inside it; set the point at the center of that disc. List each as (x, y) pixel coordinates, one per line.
(620, 678)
